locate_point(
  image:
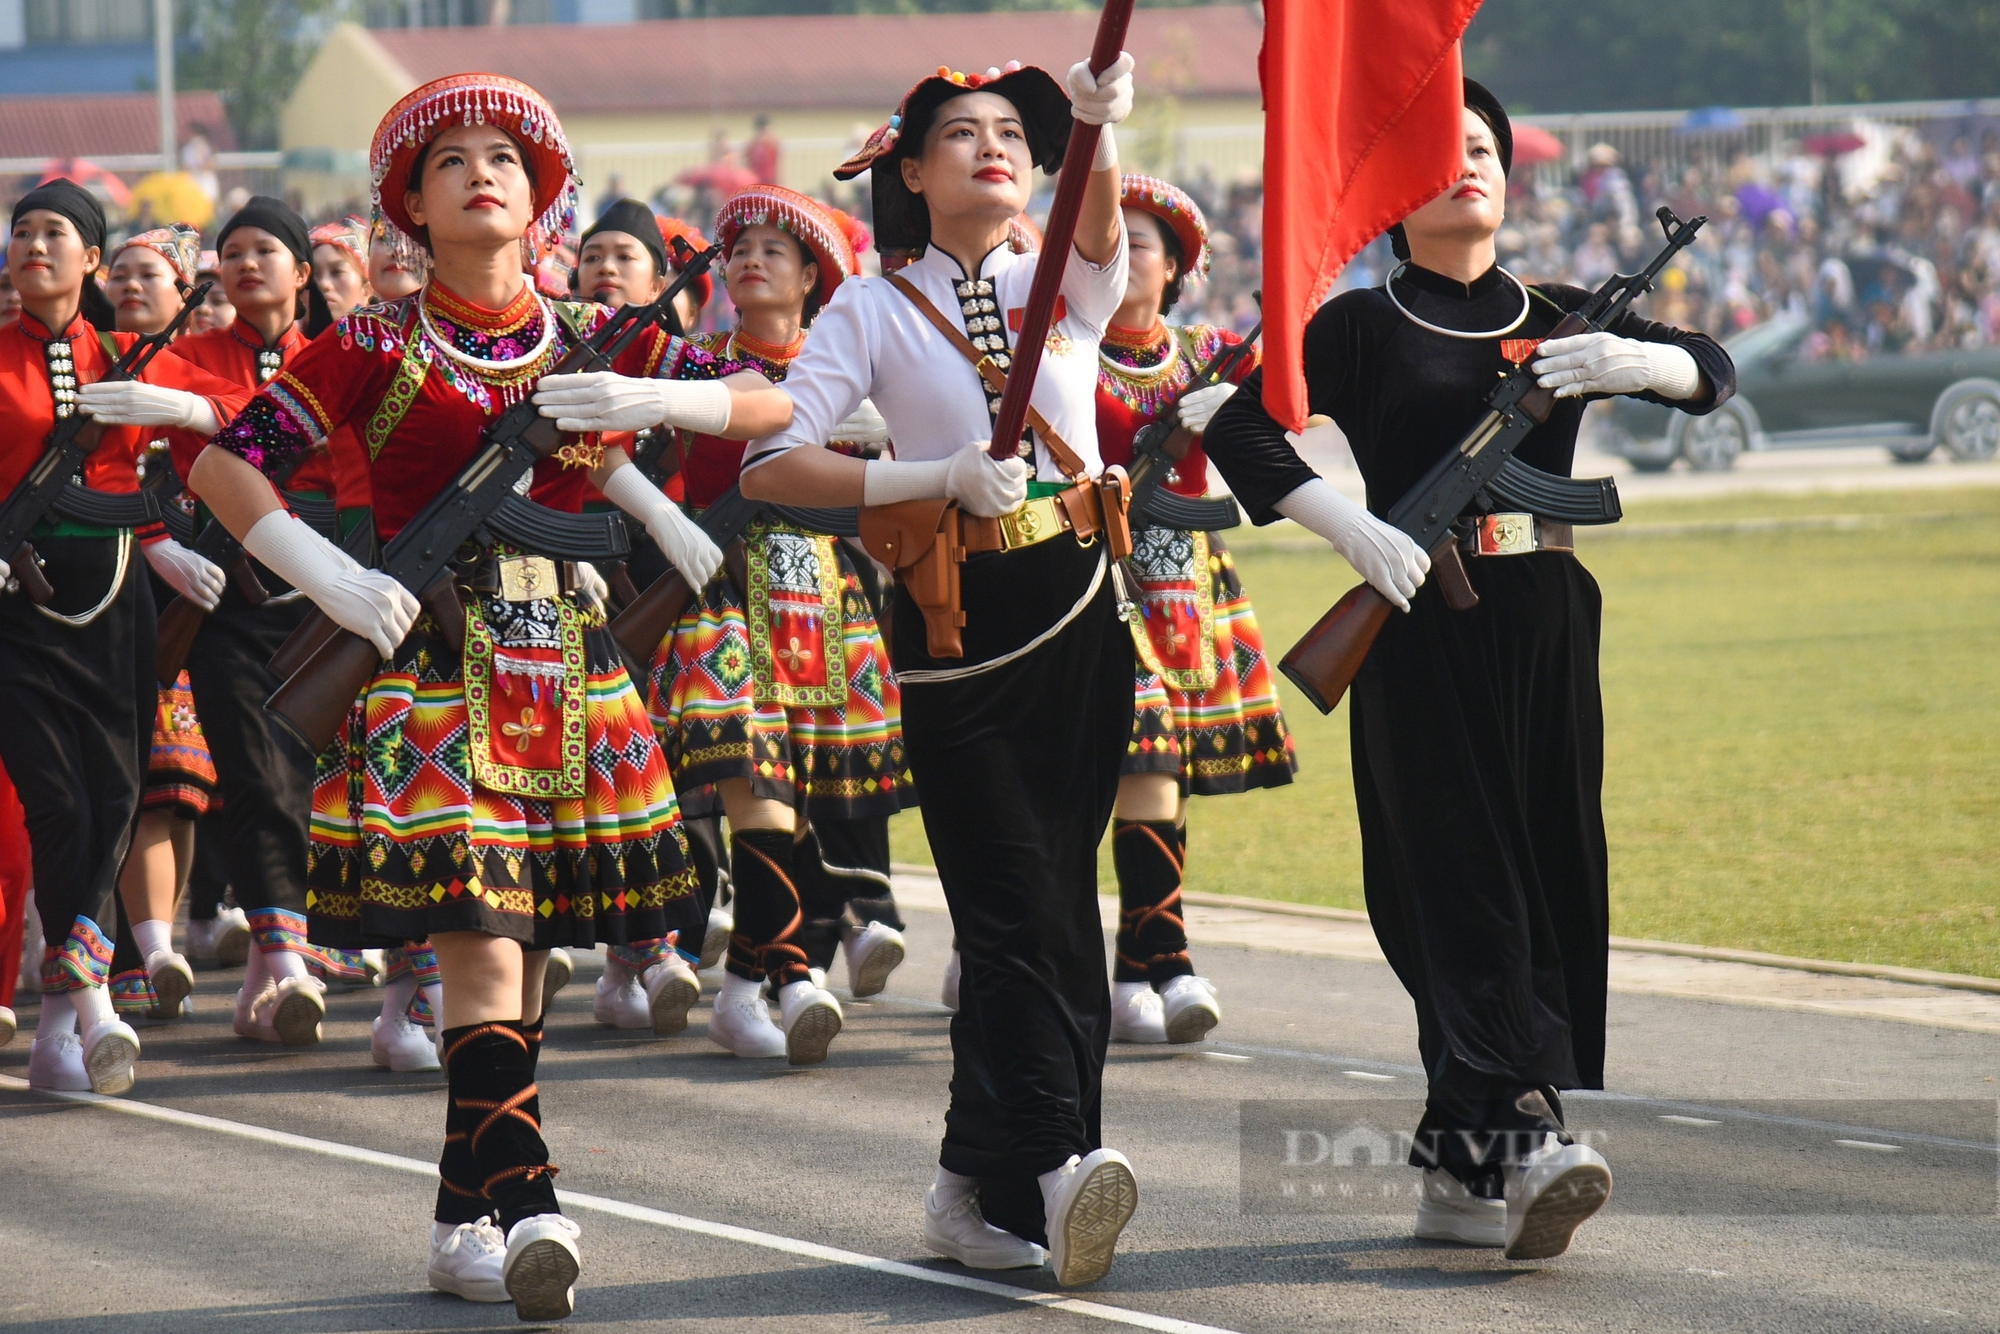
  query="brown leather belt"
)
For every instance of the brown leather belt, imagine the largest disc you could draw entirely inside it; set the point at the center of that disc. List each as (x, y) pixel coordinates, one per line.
(1078, 510)
(1515, 534)
(518, 578)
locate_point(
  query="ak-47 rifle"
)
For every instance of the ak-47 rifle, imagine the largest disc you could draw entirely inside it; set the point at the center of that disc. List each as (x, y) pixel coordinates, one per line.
(75, 438)
(1324, 663)
(1165, 442)
(316, 698)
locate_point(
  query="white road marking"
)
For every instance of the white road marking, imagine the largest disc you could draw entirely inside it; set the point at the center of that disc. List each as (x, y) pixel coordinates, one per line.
(1869, 1145)
(639, 1213)
(1691, 1121)
(1369, 1075)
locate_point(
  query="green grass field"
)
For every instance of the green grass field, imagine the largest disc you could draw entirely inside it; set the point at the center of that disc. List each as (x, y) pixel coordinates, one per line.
(1802, 715)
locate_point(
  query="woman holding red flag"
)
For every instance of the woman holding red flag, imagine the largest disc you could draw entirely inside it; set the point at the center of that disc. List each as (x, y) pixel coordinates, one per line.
(1478, 736)
(507, 796)
(1016, 738)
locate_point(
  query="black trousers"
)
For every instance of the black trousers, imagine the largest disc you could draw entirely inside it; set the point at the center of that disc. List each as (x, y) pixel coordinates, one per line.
(80, 703)
(1019, 770)
(262, 771)
(1478, 746)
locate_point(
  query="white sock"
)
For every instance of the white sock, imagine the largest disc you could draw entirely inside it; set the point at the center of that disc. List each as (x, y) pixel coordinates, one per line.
(950, 1187)
(396, 998)
(434, 997)
(616, 974)
(793, 989)
(282, 964)
(153, 937)
(58, 1016)
(255, 973)
(736, 988)
(93, 1007)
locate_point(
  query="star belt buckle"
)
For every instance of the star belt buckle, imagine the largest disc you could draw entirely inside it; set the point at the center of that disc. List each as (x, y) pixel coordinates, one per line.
(1506, 534)
(527, 578)
(1032, 523)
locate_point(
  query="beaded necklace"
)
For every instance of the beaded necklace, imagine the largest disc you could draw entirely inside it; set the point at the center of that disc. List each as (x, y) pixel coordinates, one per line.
(1145, 372)
(481, 351)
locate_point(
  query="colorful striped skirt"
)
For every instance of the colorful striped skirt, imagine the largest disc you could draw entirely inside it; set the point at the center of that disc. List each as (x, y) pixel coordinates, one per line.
(180, 775)
(779, 675)
(517, 790)
(1206, 704)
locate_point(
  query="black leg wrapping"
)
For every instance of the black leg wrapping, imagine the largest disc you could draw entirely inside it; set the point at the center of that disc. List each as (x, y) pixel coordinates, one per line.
(1475, 1124)
(768, 916)
(494, 1161)
(1152, 938)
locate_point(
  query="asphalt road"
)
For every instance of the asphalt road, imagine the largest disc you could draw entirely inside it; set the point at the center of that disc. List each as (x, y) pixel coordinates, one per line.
(1819, 1173)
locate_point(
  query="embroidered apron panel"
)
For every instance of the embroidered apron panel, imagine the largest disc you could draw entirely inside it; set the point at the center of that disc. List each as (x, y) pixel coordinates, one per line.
(797, 649)
(1175, 634)
(524, 696)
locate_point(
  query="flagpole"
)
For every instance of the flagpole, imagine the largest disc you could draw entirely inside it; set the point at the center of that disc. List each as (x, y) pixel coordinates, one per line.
(1056, 238)
(163, 79)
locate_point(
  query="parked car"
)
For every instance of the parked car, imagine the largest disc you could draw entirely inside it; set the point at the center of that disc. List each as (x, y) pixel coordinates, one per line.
(1909, 405)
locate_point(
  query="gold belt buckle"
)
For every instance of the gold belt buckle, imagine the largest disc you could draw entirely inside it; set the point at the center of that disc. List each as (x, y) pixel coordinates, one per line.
(526, 578)
(1506, 534)
(1036, 521)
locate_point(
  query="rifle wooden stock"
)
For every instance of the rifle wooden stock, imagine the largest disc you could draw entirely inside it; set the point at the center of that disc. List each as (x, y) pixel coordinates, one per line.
(301, 644)
(244, 575)
(649, 618)
(180, 624)
(1327, 658)
(315, 701)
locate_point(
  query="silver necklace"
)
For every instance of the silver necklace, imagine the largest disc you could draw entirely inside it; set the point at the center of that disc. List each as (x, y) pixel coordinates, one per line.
(1390, 288)
(445, 346)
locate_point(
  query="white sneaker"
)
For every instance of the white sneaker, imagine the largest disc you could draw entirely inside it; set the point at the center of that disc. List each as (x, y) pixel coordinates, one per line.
(201, 941)
(873, 952)
(253, 1013)
(1447, 1211)
(172, 980)
(8, 1025)
(958, 1231)
(1088, 1201)
(541, 1267)
(716, 939)
(1549, 1195)
(298, 1006)
(811, 1018)
(1190, 1008)
(232, 937)
(952, 972)
(556, 974)
(742, 1025)
(620, 1000)
(399, 1045)
(1136, 1013)
(671, 991)
(817, 976)
(469, 1261)
(56, 1063)
(110, 1051)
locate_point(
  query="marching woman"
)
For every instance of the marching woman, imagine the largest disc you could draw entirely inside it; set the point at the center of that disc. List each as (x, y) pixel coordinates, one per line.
(78, 672)
(340, 265)
(1016, 738)
(392, 271)
(535, 810)
(1207, 719)
(773, 694)
(263, 774)
(1478, 736)
(148, 977)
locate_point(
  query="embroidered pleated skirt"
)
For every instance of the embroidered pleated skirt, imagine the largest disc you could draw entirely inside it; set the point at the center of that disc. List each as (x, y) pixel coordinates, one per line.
(180, 773)
(778, 674)
(1206, 706)
(516, 789)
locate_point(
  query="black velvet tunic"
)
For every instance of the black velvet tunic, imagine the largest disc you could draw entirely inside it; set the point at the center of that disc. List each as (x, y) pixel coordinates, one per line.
(1478, 737)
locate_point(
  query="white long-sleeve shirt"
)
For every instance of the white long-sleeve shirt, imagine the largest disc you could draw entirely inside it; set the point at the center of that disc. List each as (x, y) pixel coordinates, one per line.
(871, 341)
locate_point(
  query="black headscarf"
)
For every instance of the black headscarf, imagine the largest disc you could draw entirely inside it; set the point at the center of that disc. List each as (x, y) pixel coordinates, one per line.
(64, 196)
(280, 220)
(72, 201)
(635, 220)
(1483, 104)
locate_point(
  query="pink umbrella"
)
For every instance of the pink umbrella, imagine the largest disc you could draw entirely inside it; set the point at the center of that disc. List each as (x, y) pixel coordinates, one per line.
(90, 176)
(1533, 144)
(1832, 145)
(724, 178)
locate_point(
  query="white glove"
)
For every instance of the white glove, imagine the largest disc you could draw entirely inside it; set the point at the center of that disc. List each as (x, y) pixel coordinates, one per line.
(367, 602)
(1101, 99)
(1383, 555)
(1198, 408)
(591, 584)
(191, 574)
(1604, 363)
(135, 403)
(864, 426)
(607, 401)
(679, 538)
(979, 483)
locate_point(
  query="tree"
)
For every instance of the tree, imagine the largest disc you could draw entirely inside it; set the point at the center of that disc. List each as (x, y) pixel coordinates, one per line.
(252, 52)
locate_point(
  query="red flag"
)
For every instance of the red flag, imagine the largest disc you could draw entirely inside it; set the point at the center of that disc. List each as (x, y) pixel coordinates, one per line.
(1361, 127)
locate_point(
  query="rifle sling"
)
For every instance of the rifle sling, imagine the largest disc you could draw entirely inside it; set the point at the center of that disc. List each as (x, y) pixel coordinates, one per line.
(1059, 450)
